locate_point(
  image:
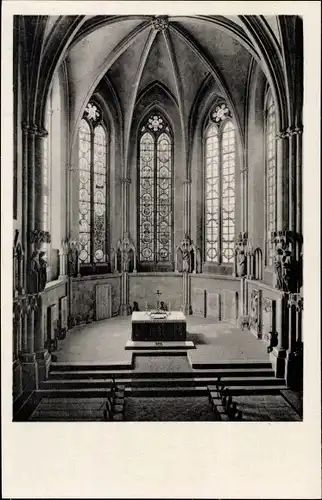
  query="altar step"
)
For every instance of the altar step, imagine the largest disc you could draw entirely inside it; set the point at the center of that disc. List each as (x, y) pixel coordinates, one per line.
(199, 390)
(60, 374)
(89, 366)
(238, 363)
(160, 382)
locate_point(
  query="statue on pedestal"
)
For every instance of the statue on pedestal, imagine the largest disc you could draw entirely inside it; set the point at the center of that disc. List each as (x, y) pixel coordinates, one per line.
(241, 263)
(185, 261)
(240, 255)
(34, 270)
(42, 271)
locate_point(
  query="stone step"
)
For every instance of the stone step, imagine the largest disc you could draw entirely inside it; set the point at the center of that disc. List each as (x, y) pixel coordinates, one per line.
(235, 390)
(105, 374)
(76, 384)
(237, 363)
(94, 366)
(228, 381)
(164, 345)
(166, 391)
(90, 392)
(159, 382)
(184, 381)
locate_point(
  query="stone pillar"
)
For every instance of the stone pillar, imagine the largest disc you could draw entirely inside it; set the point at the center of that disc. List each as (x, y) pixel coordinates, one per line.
(186, 306)
(298, 131)
(294, 358)
(124, 307)
(244, 199)
(279, 352)
(28, 357)
(282, 181)
(125, 204)
(186, 206)
(42, 355)
(25, 132)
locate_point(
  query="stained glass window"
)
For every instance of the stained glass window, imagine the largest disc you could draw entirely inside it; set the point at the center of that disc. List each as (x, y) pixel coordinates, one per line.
(155, 189)
(220, 145)
(92, 162)
(270, 176)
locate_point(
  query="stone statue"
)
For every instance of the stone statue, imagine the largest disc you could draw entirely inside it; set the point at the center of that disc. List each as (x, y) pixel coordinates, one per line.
(185, 261)
(34, 271)
(241, 263)
(73, 259)
(279, 268)
(287, 270)
(42, 272)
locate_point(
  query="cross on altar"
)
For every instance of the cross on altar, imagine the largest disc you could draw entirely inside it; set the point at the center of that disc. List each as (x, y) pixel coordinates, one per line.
(158, 293)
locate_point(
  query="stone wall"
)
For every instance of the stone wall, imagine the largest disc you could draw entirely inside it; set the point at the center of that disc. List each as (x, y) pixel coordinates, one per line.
(53, 293)
(215, 297)
(83, 293)
(143, 287)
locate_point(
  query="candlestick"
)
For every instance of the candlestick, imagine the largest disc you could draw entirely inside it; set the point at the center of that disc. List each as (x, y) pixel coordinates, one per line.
(169, 306)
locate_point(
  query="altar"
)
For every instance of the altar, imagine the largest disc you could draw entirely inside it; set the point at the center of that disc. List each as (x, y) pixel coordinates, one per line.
(159, 326)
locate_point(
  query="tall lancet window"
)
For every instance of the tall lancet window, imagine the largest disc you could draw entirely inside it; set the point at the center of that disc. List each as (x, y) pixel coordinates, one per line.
(92, 162)
(155, 190)
(219, 156)
(270, 176)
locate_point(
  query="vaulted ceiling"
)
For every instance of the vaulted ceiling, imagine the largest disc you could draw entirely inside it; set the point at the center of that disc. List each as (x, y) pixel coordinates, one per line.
(179, 52)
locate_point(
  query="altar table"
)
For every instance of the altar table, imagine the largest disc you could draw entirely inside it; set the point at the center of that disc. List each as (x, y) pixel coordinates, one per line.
(159, 327)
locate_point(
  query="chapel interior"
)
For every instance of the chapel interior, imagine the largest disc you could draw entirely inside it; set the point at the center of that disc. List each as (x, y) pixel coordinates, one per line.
(157, 170)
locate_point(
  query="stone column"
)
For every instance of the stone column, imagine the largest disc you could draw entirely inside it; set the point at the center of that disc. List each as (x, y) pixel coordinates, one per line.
(124, 307)
(282, 180)
(186, 206)
(244, 199)
(25, 132)
(28, 356)
(294, 358)
(298, 131)
(42, 355)
(125, 204)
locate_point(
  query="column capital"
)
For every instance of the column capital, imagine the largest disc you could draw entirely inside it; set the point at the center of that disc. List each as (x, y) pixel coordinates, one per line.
(125, 180)
(186, 181)
(25, 128)
(289, 132)
(39, 236)
(33, 129)
(42, 132)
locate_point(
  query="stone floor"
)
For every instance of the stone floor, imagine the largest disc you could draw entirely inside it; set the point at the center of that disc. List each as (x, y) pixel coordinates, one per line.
(104, 341)
(266, 408)
(161, 364)
(165, 409)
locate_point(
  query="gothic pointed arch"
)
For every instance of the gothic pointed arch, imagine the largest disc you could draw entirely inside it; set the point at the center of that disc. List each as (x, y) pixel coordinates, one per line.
(155, 189)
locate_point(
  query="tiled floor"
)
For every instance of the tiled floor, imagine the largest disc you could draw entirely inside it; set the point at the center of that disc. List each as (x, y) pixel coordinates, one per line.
(104, 341)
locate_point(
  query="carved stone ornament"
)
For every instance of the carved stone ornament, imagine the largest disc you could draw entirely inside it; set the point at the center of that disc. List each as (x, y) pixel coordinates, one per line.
(40, 236)
(267, 305)
(160, 23)
(189, 252)
(295, 299)
(125, 245)
(283, 260)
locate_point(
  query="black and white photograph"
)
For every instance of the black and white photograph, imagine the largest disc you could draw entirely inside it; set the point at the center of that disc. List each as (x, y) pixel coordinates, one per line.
(158, 237)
